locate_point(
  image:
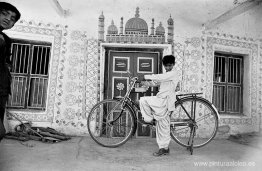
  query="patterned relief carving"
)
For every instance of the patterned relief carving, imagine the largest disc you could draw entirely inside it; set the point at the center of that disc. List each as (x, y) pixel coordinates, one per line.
(73, 84)
(192, 65)
(75, 48)
(69, 113)
(119, 86)
(77, 35)
(71, 87)
(73, 73)
(73, 60)
(178, 50)
(260, 83)
(195, 54)
(91, 77)
(145, 65)
(121, 64)
(195, 42)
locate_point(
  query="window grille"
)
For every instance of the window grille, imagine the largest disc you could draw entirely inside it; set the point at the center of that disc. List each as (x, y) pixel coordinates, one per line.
(30, 63)
(228, 83)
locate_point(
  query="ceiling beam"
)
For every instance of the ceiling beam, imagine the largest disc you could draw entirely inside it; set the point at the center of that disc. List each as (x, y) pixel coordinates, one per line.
(241, 8)
(62, 12)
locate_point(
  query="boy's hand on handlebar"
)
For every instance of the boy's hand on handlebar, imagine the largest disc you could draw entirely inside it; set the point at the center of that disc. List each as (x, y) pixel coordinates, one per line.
(144, 84)
(141, 78)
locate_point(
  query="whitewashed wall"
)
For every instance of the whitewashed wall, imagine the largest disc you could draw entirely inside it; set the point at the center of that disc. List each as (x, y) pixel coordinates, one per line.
(74, 77)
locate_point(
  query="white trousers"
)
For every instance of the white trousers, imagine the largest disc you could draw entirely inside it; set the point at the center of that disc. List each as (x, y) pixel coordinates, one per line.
(151, 108)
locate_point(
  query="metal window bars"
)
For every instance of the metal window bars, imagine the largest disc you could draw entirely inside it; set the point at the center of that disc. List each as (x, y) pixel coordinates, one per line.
(227, 83)
(29, 75)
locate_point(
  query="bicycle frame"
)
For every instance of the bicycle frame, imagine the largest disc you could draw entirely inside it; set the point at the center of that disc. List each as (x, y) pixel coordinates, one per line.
(126, 100)
(125, 103)
(193, 107)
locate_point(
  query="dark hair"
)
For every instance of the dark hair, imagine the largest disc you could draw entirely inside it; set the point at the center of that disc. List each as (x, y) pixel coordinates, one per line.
(10, 7)
(168, 59)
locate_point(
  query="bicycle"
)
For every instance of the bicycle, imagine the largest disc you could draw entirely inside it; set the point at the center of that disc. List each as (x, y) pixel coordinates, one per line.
(112, 122)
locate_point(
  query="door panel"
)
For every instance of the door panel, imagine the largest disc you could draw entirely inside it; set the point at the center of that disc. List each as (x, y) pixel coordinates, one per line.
(116, 78)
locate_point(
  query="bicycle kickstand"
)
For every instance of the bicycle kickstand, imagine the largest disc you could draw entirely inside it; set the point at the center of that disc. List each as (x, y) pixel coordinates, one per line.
(191, 140)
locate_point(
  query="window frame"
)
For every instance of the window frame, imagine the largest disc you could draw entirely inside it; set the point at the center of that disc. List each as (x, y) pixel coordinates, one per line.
(29, 76)
(227, 84)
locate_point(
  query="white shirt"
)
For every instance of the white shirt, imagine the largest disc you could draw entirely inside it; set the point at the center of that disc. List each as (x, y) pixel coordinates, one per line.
(168, 82)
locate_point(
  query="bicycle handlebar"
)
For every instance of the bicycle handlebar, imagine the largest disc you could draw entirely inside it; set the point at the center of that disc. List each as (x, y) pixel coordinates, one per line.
(134, 79)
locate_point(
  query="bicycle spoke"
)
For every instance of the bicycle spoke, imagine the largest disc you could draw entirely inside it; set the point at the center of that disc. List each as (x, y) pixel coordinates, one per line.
(206, 122)
(182, 128)
(109, 125)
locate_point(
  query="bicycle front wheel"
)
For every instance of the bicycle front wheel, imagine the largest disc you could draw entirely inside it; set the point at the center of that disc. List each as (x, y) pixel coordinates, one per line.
(109, 124)
(206, 118)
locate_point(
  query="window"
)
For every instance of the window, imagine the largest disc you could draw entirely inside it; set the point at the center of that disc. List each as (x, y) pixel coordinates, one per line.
(228, 83)
(30, 62)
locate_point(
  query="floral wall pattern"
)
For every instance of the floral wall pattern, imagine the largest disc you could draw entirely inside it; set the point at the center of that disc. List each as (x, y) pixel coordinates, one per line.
(69, 110)
(80, 84)
(194, 69)
(260, 86)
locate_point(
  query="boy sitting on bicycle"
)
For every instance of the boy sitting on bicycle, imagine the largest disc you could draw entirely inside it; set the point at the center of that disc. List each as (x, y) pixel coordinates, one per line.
(160, 106)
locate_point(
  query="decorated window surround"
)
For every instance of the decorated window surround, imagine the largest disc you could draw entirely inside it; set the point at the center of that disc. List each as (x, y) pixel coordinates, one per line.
(247, 53)
(249, 48)
(55, 35)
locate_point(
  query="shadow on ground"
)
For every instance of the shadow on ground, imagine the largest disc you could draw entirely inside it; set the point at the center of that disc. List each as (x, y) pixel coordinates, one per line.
(252, 139)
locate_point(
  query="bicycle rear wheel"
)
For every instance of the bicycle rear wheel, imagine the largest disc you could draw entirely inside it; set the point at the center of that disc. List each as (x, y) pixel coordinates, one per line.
(206, 118)
(106, 128)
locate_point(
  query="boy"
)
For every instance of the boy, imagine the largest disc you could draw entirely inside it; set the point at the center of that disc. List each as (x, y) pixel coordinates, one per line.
(9, 15)
(159, 107)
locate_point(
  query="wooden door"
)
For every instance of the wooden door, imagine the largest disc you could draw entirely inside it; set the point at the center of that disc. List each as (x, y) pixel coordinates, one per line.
(116, 78)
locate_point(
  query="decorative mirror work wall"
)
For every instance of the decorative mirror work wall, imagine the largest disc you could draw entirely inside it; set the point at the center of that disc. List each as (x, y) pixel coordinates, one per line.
(251, 50)
(57, 34)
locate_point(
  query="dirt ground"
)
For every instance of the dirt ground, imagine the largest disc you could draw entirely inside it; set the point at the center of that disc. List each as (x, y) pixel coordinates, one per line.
(82, 153)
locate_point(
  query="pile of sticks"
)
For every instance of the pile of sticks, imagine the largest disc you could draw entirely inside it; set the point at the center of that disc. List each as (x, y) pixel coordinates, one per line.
(25, 132)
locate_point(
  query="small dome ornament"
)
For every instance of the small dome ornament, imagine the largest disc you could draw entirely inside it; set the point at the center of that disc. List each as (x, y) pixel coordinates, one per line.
(102, 16)
(136, 25)
(160, 29)
(136, 30)
(137, 12)
(112, 29)
(170, 21)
